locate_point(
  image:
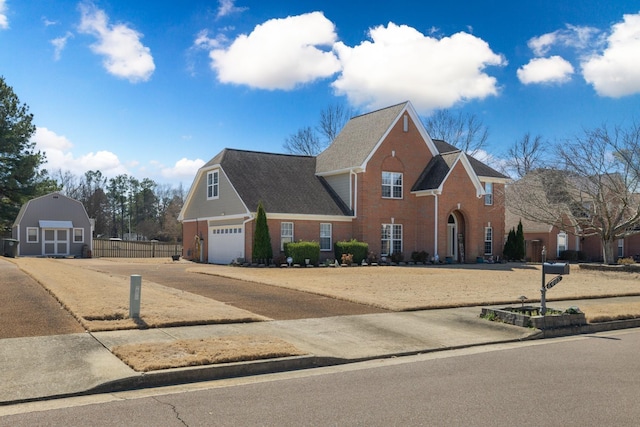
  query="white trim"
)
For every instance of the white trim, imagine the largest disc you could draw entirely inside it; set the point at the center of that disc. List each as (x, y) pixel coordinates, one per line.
(305, 217)
(282, 242)
(215, 186)
(330, 236)
(341, 171)
(435, 226)
(27, 234)
(486, 241)
(73, 235)
(494, 180)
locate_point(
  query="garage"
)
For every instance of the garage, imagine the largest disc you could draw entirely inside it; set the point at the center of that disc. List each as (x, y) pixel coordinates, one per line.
(226, 243)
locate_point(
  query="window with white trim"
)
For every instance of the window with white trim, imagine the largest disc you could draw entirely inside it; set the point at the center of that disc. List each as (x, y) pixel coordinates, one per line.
(213, 185)
(325, 236)
(562, 243)
(391, 239)
(488, 193)
(488, 240)
(392, 185)
(32, 235)
(78, 235)
(286, 234)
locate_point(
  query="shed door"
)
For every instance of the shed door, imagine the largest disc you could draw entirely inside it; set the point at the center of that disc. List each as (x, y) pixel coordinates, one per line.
(226, 243)
(55, 241)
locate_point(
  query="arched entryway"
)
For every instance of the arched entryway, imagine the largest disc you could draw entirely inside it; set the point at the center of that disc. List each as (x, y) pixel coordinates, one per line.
(455, 237)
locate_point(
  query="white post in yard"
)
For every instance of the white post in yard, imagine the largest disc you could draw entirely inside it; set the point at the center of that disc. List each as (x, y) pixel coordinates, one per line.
(134, 296)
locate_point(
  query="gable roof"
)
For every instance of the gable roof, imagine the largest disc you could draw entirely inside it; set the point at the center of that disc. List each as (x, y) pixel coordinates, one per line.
(360, 137)
(284, 183)
(36, 200)
(480, 169)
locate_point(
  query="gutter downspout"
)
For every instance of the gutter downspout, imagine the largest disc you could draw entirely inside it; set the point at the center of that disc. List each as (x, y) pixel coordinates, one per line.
(435, 231)
(354, 193)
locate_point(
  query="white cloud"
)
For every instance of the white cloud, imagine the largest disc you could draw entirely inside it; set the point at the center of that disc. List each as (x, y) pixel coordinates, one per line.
(227, 7)
(614, 72)
(546, 70)
(58, 156)
(184, 168)
(124, 55)
(279, 54)
(400, 63)
(4, 21)
(573, 36)
(59, 44)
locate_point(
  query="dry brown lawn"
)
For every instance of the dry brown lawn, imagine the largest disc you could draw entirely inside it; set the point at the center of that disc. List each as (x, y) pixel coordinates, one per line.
(415, 288)
(100, 301)
(197, 352)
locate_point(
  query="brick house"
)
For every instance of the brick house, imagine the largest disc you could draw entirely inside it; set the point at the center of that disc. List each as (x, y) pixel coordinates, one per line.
(383, 180)
(542, 196)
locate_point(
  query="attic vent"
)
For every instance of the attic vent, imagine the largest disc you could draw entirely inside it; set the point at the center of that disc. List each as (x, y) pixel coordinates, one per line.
(405, 127)
(55, 197)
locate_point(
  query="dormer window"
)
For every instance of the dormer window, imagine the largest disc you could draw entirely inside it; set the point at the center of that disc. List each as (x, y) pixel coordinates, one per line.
(213, 185)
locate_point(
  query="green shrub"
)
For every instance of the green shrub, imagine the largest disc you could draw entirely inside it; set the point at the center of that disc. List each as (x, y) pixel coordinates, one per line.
(359, 250)
(421, 256)
(301, 251)
(397, 257)
(572, 255)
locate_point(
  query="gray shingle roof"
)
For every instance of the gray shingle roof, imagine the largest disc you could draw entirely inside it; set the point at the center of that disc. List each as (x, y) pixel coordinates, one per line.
(357, 140)
(284, 183)
(436, 171)
(481, 169)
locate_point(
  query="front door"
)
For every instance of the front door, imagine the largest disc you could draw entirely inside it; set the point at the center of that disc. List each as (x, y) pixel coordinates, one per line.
(55, 241)
(452, 237)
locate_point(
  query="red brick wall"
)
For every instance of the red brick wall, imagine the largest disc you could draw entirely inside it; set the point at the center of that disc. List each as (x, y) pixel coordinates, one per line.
(189, 231)
(403, 152)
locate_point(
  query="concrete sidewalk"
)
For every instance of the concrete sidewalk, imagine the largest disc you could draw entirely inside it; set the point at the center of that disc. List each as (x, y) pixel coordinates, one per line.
(66, 365)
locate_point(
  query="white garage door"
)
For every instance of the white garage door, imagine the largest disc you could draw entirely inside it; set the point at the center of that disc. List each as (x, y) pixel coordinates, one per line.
(226, 243)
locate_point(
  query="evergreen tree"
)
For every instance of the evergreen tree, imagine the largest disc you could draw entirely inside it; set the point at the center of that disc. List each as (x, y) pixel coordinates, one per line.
(20, 179)
(519, 243)
(262, 251)
(510, 246)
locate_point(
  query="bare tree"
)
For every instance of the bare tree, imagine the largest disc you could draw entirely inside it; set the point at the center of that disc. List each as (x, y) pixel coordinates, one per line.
(305, 142)
(465, 131)
(592, 191)
(311, 141)
(332, 120)
(525, 155)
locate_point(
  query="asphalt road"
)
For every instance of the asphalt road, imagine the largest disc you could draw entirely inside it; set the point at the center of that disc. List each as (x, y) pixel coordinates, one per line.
(266, 300)
(576, 381)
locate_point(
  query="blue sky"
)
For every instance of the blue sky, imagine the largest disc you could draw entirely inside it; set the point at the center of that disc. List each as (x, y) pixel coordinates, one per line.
(155, 89)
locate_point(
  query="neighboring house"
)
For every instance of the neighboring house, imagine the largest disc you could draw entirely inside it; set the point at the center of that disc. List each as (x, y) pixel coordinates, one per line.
(53, 225)
(383, 181)
(553, 197)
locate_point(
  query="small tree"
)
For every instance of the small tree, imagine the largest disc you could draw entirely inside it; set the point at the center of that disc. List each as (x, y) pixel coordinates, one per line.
(262, 250)
(519, 242)
(509, 251)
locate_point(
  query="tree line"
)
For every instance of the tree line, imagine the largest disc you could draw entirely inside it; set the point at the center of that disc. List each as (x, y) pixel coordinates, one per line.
(125, 207)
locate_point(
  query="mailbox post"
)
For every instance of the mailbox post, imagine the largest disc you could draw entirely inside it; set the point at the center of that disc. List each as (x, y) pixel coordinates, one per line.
(557, 268)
